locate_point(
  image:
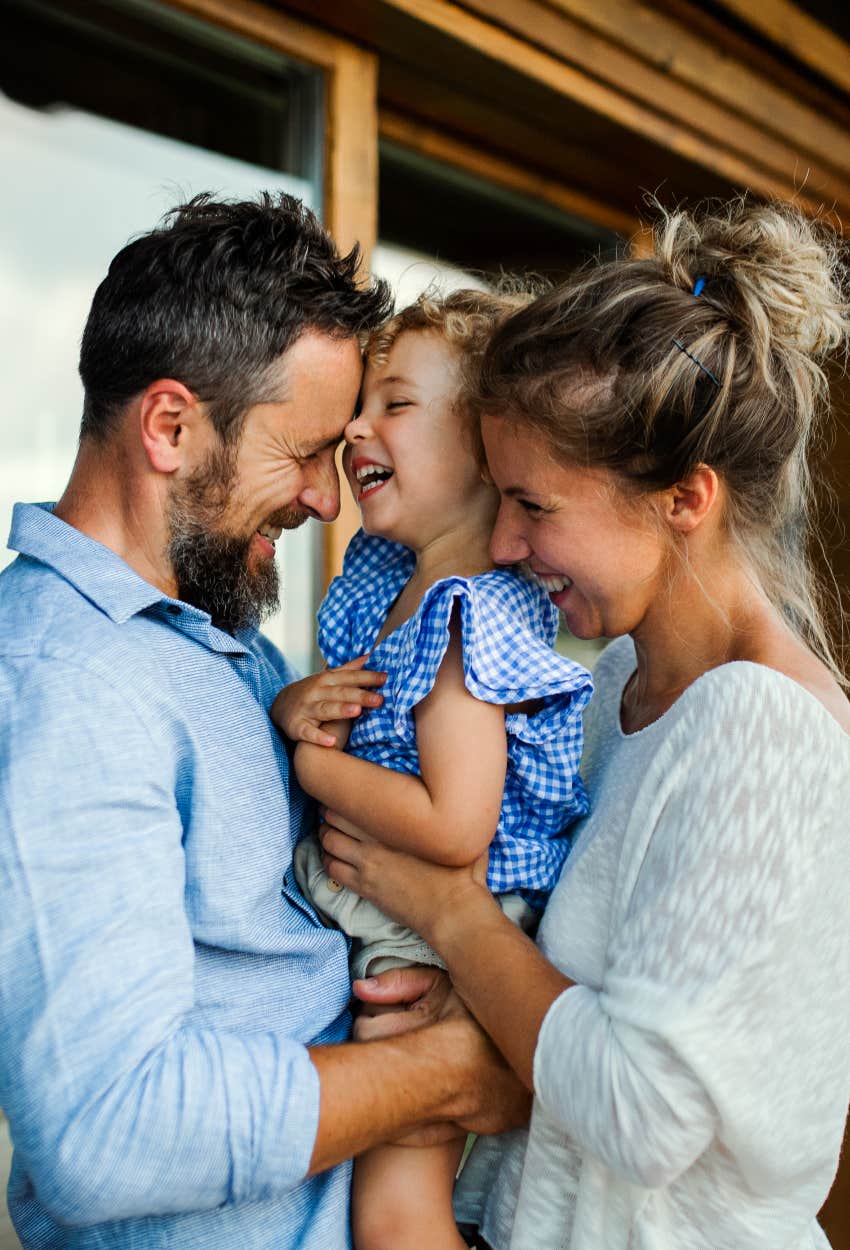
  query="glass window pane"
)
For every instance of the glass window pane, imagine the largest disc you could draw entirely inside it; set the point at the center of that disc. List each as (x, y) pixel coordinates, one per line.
(79, 182)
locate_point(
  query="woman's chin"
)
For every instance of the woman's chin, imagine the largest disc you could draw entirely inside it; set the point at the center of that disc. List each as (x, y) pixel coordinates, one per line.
(584, 630)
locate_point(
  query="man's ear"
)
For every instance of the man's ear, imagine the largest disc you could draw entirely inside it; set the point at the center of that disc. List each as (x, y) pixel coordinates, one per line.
(690, 501)
(168, 413)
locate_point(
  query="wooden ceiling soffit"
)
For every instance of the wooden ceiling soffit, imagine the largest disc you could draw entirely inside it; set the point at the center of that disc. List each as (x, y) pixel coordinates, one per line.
(787, 26)
(708, 68)
(641, 98)
(551, 136)
(435, 143)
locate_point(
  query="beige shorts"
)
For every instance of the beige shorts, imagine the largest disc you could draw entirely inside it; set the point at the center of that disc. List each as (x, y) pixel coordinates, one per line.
(378, 942)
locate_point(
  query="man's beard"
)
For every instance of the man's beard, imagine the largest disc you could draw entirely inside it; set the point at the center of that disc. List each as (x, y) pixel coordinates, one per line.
(211, 565)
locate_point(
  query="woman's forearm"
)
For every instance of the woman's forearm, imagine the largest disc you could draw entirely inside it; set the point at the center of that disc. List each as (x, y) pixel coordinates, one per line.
(496, 970)
(505, 981)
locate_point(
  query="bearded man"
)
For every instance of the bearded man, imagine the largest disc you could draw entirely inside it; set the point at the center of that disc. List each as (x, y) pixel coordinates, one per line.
(171, 1011)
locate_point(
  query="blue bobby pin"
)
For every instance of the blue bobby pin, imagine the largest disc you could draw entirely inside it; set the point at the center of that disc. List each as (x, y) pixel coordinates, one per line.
(692, 357)
(698, 285)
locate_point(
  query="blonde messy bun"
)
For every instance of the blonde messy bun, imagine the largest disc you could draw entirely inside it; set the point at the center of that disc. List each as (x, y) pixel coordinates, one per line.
(769, 269)
(623, 367)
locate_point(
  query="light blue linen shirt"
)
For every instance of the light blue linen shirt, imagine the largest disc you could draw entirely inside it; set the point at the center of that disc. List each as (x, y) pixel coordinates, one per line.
(160, 973)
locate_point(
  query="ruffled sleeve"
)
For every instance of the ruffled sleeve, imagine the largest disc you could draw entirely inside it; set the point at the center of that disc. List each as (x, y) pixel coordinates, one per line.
(507, 626)
(356, 604)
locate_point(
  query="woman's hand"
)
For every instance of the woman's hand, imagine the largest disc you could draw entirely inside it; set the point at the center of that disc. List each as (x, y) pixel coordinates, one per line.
(419, 894)
(305, 709)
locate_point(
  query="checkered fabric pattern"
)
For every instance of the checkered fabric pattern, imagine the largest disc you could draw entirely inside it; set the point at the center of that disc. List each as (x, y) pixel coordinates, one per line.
(508, 626)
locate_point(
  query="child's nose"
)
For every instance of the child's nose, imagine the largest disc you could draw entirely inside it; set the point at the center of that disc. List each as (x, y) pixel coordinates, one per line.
(357, 428)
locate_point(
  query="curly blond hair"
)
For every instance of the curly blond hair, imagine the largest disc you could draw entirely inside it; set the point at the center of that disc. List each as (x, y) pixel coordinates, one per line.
(465, 319)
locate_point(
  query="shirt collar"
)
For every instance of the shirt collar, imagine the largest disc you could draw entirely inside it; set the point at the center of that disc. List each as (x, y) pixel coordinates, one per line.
(105, 579)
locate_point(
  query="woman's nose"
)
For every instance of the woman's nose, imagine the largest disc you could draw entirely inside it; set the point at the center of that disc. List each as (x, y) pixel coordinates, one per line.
(507, 544)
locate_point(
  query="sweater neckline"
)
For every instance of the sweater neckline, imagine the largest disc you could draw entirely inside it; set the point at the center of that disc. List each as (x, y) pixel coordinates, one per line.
(746, 665)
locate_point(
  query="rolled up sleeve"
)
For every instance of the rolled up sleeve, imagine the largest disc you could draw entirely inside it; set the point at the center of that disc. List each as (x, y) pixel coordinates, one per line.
(119, 1103)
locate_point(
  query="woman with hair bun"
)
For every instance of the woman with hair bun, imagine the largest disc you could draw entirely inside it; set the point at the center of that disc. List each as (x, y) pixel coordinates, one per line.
(683, 1018)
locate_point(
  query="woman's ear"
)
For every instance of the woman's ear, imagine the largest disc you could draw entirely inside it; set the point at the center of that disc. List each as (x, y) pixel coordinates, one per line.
(167, 413)
(691, 501)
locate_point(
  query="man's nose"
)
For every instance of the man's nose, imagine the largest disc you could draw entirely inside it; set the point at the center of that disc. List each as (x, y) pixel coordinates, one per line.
(320, 496)
(507, 544)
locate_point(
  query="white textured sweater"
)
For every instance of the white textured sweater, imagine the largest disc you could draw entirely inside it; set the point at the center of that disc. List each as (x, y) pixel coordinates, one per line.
(691, 1088)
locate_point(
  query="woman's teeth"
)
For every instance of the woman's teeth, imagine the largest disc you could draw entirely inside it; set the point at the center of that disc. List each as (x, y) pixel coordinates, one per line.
(370, 477)
(552, 583)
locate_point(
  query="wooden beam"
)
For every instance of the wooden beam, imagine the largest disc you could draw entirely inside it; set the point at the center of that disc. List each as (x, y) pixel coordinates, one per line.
(577, 44)
(432, 142)
(352, 216)
(571, 81)
(806, 39)
(702, 64)
(520, 136)
(351, 153)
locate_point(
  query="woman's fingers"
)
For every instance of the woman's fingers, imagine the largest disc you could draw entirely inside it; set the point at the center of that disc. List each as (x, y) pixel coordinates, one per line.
(340, 856)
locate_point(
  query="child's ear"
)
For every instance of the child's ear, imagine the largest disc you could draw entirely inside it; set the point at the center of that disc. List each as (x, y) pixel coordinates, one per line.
(691, 501)
(168, 412)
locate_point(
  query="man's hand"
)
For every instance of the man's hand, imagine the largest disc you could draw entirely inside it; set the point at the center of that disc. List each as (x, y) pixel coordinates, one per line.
(434, 1083)
(413, 998)
(303, 709)
(396, 1002)
(400, 1000)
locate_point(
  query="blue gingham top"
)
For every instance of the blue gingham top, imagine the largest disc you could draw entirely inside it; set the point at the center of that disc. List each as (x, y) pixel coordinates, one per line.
(508, 626)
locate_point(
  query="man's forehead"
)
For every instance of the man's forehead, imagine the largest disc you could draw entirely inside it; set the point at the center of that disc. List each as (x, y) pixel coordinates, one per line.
(315, 351)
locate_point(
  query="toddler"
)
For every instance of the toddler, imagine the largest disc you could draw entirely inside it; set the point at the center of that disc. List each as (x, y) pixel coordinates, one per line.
(466, 729)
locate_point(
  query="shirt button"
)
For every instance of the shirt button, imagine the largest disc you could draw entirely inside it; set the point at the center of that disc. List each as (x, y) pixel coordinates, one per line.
(333, 885)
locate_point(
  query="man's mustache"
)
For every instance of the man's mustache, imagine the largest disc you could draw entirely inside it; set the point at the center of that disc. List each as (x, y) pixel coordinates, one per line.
(288, 519)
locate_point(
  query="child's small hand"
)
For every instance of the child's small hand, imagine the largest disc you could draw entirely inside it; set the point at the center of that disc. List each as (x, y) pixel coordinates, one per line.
(304, 708)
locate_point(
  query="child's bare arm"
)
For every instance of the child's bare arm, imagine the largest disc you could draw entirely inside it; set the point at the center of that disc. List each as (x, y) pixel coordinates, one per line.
(450, 814)
(306, 710)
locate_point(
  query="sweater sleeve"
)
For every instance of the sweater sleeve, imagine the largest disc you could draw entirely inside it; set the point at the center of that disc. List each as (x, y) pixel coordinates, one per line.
(724, 1008)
